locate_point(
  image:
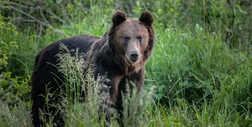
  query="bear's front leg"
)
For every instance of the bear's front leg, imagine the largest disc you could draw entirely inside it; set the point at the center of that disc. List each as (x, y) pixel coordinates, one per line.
(107, 91)
(105, 102)
(135, 79)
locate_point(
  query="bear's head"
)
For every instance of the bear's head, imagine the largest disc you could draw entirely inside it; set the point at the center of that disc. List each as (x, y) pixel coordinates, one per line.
(132, 40)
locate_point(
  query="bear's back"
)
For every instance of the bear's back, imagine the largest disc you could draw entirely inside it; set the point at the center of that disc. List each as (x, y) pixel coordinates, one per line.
(47, 61)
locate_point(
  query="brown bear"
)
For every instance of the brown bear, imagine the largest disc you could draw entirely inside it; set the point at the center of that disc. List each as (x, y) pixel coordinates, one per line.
(120, 56)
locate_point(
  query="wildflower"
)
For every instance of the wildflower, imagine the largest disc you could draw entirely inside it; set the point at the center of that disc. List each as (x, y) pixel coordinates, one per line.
(148, 4)
(213, 33)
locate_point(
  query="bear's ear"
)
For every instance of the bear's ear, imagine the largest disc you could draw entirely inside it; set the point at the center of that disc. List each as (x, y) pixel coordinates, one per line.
(147, 18)
(118, 17)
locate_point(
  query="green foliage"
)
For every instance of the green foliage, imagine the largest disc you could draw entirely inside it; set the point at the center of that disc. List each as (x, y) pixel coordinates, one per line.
(5, 51)
(199, 68)
(13, 89)
(13, 116)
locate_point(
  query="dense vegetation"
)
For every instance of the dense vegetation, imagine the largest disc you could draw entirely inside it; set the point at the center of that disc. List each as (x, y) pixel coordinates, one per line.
(199, 74)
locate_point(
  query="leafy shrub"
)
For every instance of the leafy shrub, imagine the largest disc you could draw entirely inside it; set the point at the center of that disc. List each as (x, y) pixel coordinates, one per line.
(9, 86)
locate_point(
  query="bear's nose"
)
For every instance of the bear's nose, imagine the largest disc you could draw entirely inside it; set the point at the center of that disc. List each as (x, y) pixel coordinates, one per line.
(133, 56)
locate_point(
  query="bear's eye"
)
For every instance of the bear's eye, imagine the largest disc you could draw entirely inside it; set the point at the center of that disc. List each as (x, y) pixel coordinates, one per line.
(139, 38)
(126, 38)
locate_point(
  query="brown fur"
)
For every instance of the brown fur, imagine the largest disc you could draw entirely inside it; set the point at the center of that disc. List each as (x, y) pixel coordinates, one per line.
(119, 56)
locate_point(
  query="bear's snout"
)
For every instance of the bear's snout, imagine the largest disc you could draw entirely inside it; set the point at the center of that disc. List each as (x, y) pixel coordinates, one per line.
(133, 56)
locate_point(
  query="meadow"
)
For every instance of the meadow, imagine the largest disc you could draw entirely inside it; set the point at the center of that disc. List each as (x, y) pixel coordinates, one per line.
(200, 72)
